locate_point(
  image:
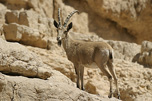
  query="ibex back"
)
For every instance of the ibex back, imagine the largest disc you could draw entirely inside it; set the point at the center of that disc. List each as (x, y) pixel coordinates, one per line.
(82, 53)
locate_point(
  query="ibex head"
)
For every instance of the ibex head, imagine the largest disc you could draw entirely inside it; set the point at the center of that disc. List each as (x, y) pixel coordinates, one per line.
(62, 30)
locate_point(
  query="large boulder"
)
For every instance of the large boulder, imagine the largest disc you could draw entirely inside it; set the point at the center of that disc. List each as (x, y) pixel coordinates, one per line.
(25, 17)
(145, 56)
(26, 89)
(15, 59)
(25, 35)
(146, 46)
(27, 29)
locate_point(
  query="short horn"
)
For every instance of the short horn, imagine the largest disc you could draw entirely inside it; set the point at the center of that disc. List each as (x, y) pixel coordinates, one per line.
(69, 16)
(59, 18)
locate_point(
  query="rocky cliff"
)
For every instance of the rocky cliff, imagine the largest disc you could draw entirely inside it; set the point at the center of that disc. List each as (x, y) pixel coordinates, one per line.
(33, 67)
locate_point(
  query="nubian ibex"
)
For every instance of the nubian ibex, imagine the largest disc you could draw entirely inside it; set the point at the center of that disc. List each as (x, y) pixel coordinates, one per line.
(82, 53)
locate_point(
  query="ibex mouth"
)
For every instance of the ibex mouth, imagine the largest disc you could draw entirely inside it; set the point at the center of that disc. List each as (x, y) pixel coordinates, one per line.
(59, 42)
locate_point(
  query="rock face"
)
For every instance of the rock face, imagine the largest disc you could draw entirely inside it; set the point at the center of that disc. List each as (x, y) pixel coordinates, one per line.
(25, 28)
(16, 59)
(25, 89)
(25, 35)
(34, 67)
(133, 85)
(145, 56)
(118, 19)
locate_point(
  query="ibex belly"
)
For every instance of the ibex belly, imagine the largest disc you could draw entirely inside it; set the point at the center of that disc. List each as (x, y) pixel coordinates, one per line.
(85, 56)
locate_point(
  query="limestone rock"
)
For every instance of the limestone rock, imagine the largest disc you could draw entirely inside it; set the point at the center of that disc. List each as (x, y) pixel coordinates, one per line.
(134, 81)
(26, 89)
(98, 23)
(146, 46)
(16, 59)
(43, 7)
(136, 14)
(134, 84)
(41, 29)
(30, 22)
(118, 19)
(25, 17)
(22, 17)
(56, 59)
(145, 56)
(85, 37)
(40, 6)
(3, 10)
(25, 35)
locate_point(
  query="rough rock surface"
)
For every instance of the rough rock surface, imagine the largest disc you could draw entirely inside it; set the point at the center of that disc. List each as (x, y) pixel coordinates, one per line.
(16, 59)
(56, 58)
(25, 28)
(145, 56)
(133, 85)
(25, 17)
(40, 6)
(25, 35)
(41, 70)
(124, 20)
(25, 89)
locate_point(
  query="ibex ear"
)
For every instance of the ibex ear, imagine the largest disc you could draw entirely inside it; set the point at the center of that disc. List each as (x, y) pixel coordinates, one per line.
(56, 24)
(69, 26)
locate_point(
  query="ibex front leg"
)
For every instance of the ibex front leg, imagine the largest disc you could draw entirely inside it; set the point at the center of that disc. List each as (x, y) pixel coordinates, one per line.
(81, 67)
(77, 71)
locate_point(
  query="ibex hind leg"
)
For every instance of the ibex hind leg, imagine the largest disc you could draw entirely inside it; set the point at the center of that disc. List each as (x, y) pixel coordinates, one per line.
(105, 72)
(101, 58)
(112, 71)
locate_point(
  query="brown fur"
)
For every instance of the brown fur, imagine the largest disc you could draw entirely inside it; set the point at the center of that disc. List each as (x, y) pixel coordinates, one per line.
(83, 52)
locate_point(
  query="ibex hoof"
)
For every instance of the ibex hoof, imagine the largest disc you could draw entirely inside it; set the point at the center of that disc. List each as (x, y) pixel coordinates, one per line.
(83, 88)
(118, 96)
(78, 86)
(110, 95)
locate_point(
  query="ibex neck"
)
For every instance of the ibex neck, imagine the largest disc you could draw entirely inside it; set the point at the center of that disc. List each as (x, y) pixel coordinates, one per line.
(66, 42)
